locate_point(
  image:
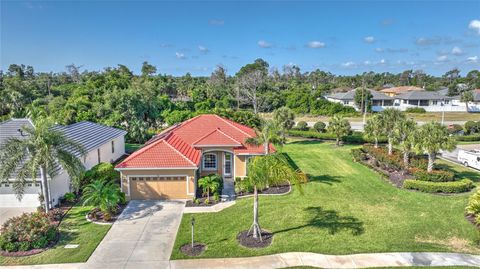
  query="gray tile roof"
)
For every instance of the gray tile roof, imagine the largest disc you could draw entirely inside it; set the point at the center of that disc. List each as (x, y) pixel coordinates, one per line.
(350, 95)
(10, 128)
(422, 95)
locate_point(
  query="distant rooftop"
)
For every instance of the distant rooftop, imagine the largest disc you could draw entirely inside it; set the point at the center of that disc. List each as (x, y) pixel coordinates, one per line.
(401, 89)
(350, 95)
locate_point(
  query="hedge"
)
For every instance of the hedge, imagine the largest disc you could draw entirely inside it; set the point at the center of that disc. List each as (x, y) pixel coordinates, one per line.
(354, 138)
(415, 110)
(468, 138)
(463, 185)
(434, 176)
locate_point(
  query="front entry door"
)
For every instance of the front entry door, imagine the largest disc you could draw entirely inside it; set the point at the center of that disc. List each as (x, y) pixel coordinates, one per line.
(227, 164)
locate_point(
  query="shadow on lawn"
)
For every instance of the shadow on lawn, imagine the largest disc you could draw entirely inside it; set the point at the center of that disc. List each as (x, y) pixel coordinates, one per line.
(326, 179)
(307, 142)
(329, 220)
(469, 174)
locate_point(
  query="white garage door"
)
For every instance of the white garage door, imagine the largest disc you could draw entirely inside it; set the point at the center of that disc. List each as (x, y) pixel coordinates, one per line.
(29, 199)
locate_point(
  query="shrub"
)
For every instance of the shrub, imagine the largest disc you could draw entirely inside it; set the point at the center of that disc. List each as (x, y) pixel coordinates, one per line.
(103, 195)
(472, 127)
(473, 207)
(455, 128)
(358, 154)
(69, 197)
(415, 110)
(211, 184)
(468, 138)
(302, 126)
(434, 176)
(243, 185)
(102, 171)
(463, 185)
(319, 127)
(55, 214)
(353, 138)
(30, 230)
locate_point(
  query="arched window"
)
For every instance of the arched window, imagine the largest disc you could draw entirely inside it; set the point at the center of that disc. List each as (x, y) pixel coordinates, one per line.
(210, 161)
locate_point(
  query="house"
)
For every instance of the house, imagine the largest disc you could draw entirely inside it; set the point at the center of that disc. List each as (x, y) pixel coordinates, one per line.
(102, 144)
(379, 100)
(394, 91)
(170, 164)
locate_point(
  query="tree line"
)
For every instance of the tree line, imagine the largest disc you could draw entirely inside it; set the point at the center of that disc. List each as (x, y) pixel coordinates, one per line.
(144, 103)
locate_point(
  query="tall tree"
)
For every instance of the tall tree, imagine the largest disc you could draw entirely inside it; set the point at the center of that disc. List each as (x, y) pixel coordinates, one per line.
(249, 86)
(390, 117)
(374, 129)
(285, 117)
(338, 126)
(148, 69)
(404, 135)
(467, 96)
(43, 149)
(265, 171)
(363, 99)
(431, 138)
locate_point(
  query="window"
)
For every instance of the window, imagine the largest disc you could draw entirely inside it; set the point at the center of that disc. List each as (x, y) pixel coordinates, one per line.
(346, 102)
(434, 102)
(447, 101)
(210, 161)
(113, 147)
(98, 153)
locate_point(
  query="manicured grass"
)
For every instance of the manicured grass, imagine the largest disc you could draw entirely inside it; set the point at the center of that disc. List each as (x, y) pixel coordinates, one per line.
(75, 229)
(345, 208)
(130, 147)
(460, 170)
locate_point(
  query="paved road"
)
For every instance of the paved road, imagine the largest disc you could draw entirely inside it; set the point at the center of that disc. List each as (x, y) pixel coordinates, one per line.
(452, 155)
(8, 212)
(358, 125)
(142, 237)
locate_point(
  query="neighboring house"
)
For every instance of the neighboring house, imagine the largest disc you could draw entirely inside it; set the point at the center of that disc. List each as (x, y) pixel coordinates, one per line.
(406, 97)
(102, 144)
(394, 91)
(379, 100)
(170, 164)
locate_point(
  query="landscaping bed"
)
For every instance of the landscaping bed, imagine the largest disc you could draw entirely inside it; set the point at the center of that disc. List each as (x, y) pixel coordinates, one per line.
(272, 190)
(201, 202)
(97, 216)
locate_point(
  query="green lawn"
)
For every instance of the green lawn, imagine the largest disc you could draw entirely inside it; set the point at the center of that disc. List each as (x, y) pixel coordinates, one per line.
(130, 147)
(346, 208)
(75, 229)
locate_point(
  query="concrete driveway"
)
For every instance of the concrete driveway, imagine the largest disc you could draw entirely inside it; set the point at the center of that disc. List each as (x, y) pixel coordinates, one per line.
(8, 212)
(142, 237)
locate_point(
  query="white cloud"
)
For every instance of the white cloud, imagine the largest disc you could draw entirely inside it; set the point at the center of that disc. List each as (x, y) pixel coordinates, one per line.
(473, 59)
(315, 44)
(367, 62)
(348, 64)
(442, 58)
(379, 50)
(369, 39)
(180, 55)
(382, 61)
(474, 25)
(457, 51)
(264, 44)
(203, 49)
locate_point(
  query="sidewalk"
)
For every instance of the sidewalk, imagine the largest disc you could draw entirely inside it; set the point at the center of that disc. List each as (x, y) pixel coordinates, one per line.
(297, 259)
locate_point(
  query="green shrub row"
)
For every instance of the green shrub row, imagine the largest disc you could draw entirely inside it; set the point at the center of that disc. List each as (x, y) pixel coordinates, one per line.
(415, 110)
(463, 185)
(434, 176)
(468, 138)
(354, 138)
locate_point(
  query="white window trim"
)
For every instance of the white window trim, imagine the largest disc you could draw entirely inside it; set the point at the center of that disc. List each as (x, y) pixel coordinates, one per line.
(210, 168)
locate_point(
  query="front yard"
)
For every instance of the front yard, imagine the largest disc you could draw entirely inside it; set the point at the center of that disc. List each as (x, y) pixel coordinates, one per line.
(345, 208)
(74, 229)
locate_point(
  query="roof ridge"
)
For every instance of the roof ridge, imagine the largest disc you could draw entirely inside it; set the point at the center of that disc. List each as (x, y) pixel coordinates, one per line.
(176, 150)
(229, 123)
(142, 150)
(204, 136)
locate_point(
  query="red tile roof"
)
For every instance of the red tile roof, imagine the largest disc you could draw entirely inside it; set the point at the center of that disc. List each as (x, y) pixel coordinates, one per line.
(179, 146)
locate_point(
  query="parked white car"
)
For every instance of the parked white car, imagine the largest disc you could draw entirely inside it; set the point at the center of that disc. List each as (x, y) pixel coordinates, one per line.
(470, 158)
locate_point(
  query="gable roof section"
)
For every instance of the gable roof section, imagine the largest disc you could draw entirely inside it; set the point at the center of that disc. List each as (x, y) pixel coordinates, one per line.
(422, 95)
(217, 138)
(188, 137)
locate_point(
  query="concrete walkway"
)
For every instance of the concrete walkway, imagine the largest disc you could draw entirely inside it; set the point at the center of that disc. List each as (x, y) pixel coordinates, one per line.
(297, 259)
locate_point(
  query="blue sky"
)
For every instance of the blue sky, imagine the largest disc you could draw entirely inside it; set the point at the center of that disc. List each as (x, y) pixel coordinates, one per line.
(343, 37)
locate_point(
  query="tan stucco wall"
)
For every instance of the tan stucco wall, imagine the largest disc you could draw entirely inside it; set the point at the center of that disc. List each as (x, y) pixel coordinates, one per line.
(219, 170)
(240, 166)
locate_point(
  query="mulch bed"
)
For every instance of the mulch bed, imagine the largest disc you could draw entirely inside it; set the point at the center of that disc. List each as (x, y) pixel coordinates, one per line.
(395, 177)
(201, 202)
(197, 249)
(248, 241)
(280, 189)
(99, 215)
(471, 219)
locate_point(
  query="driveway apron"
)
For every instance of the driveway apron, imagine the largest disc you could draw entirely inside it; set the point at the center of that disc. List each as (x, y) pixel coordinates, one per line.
(143, 235)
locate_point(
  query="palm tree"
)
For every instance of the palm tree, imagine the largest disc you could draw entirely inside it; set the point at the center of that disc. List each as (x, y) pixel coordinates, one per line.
(374, 129)
(209, 184)
(390, 117)
(267, 170)
(431, 138)
(270, 132)
(102, 194)
(466, 97)
(339, 127)
(404, 135)
(43, 149)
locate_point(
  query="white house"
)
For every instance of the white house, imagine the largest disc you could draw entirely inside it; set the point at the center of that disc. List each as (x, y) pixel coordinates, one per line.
(431, 101)
(102, 144)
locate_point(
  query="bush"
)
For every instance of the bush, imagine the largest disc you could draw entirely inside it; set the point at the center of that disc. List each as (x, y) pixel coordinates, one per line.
(319, 127)
(55, 214)
(302, 126)
(69, 197)
(30, 230)
(434, 176)
(455, 129)
(354, 138)
(473, 207)
(102, 171)
(472, 127)
(463, 185)
(103, 195)
(243, 186)
(415, 110)
(358, 155)
(468, 138)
